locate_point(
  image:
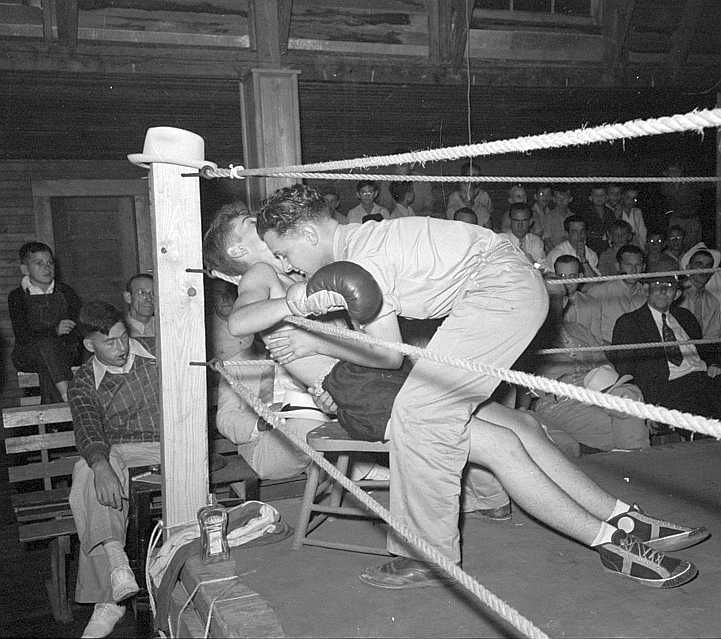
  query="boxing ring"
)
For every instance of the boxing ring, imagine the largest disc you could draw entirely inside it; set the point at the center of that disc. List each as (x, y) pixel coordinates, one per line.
(172, 179)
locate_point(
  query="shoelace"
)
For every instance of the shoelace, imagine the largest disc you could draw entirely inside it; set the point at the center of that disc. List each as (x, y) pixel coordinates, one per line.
(636, 547)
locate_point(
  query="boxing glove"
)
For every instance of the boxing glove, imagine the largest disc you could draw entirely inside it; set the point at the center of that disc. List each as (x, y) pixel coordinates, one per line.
(358, 288)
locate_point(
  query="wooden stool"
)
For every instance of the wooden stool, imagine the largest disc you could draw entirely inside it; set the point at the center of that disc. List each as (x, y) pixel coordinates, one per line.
(326, 497)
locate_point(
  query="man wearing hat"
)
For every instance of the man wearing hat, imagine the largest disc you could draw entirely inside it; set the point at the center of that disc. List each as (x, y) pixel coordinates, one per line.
(684, 377)
(696, 297)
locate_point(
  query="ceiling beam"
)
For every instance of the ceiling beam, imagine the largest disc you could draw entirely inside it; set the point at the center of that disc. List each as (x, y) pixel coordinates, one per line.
(285, 11)
(66, 12)
(616, 28)
(448, 24)
(682, 37)
(270, 29)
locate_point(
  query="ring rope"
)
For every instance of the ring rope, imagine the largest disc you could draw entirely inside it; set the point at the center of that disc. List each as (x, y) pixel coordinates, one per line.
(630, 276)
(517, 179)
(693, 121)
(632, 407)
(467, 581)
(623, 347)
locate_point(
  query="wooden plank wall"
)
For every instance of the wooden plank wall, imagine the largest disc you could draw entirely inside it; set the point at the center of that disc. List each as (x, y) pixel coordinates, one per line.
(17, 225)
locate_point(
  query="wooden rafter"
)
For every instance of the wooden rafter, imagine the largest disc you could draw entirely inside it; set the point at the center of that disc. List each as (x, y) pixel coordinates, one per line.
(683, 36)
(448, 30)
(285, 10)
(270, 28)
(617, 26)
(67, 18)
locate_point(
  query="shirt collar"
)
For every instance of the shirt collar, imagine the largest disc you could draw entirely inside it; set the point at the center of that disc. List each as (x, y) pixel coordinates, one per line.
(99, 369)
(31, 289)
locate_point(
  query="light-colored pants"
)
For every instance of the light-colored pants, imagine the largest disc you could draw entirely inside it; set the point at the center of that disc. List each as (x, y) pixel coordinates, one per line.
(96, 523)
(592, 425)
(504, 304)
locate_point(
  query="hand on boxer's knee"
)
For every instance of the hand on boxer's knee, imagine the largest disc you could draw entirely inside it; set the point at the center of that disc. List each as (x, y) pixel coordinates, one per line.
(360, 292)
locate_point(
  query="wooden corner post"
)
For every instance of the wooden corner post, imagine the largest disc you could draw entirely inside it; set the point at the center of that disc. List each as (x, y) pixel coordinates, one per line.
(180, 335)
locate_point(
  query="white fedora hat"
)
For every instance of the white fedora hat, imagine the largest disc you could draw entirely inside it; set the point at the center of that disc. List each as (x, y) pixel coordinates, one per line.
(168, 145)
(701, 246)
(604, 378)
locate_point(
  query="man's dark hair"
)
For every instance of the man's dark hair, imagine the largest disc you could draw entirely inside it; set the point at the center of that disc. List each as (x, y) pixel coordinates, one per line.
(363, 183)
(137, 276)
(568, 259)
(465, 210)
(33, 247)
(399, 190)
(289, 206)
(96, 316)
(629, 248)
(215, 240)
(677, 228)
(621, 225)
(519, 206)
(571, 219)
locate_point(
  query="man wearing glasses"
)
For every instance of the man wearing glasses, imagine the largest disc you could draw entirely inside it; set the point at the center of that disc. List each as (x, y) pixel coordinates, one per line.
(138, 295)
(682, 377)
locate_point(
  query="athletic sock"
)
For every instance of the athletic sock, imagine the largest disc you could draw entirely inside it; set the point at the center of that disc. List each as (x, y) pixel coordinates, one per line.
(620, 508)
(116, 554)
(604, 535)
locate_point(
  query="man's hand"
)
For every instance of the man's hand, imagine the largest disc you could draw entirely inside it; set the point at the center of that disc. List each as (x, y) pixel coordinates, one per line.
(108, 488)
(65, 326)
(325, 402)
(713, 371)
(287, 345)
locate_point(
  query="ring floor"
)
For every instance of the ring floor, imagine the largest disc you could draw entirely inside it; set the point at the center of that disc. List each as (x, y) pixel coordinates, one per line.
(556, 583)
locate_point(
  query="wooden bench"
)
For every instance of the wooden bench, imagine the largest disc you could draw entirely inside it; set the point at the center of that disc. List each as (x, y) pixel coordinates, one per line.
(40, 446)
(28, 381)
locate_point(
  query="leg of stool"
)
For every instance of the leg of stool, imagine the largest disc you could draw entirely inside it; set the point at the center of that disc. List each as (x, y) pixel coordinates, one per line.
(336, 496)
(57, 585)
(311, 486)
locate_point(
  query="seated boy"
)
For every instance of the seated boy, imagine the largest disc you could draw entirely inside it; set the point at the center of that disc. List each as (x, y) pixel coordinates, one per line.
(367, 210)
(114, 401)
(403, 196)
(295, 224)
(232, 247)
(43, 313)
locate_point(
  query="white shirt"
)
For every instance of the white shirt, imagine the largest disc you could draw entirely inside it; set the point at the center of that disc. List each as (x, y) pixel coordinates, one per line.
(100, 369)
(28, 286)
(531, 245)
(566, 248)
(691, 362)
(138, 329)
(420, 263)
(357, 213)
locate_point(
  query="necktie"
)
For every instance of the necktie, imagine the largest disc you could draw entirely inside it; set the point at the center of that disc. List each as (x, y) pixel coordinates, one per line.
(673, 353)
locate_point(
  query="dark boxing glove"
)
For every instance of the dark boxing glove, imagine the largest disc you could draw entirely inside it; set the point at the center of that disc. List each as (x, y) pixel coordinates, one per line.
(358, 287)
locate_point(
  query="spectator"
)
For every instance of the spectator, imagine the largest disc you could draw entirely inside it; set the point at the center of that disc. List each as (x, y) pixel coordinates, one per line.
(620, 296)
(674, 248)
(367, 192)
(471, 195)
(426, 194)
(696, 298)
(629, 212)
(464, 214)
(43, 313)
(656, 262)
(403, 196)
(598, 219)
(558, 211)
(614, 196)
(138, 295)
(114, 401)
(517, 193)
(542, 202)
(620, 235)
(681, 203)
(520, 235)
(575, 227)
(331, 196)
(684, 378)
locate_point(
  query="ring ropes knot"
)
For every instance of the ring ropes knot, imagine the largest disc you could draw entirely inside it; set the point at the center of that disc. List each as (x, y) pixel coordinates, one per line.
(496, 604)
(631, 407)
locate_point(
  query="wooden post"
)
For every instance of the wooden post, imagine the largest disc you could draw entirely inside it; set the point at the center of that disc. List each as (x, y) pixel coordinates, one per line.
(180, 335)
(271, 127)
(718, 174)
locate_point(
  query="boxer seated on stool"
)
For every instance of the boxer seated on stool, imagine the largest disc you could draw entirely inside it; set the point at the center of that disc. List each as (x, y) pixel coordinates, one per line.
(232, 248)
(495, 302)
(115, 406)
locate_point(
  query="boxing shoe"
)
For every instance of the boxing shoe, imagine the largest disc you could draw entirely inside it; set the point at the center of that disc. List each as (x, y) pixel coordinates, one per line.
(103, 620)
(404, 573)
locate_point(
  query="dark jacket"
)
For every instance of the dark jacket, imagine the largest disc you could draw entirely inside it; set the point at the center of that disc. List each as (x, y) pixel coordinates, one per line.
(649, 366)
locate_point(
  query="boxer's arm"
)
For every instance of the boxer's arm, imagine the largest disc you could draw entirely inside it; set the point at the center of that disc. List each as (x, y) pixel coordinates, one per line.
(260, 304)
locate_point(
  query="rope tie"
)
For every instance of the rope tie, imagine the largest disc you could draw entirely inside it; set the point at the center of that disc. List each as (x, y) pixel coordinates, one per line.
(496, 604)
